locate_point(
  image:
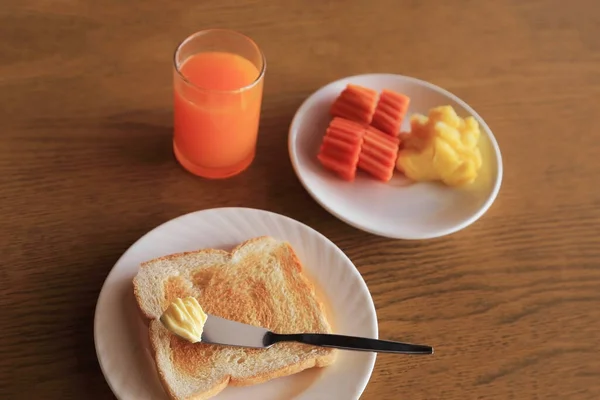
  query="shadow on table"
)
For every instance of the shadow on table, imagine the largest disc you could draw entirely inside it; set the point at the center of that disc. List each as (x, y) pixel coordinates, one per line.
(283, 192)
(143, 136)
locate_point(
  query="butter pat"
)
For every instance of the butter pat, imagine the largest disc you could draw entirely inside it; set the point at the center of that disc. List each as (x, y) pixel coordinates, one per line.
(185, 318)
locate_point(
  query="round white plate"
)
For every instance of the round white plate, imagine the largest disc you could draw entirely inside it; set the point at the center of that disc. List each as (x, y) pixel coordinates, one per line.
(398, 209)
(121, 336)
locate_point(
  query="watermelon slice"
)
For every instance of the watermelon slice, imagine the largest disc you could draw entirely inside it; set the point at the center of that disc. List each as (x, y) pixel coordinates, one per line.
(378, 154)
(390, 112)
(355, 103)
(341, 147)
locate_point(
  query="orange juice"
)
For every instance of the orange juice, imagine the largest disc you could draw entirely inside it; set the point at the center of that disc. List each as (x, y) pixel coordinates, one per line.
(216, 113)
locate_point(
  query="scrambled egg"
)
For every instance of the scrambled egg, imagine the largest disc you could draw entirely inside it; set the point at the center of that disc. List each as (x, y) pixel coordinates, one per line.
(441, 147)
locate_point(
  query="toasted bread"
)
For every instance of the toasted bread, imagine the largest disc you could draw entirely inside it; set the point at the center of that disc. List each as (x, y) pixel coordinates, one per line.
(260, 283)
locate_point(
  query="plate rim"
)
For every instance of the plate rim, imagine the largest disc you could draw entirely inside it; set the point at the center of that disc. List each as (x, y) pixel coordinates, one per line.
(370, 305)
(375, 231)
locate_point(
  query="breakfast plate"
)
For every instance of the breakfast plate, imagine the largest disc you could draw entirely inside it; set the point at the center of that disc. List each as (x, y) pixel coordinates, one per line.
(121, 336)
(399, 208)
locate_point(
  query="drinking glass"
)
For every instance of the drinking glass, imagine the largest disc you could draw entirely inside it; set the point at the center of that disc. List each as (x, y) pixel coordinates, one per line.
(218, 86)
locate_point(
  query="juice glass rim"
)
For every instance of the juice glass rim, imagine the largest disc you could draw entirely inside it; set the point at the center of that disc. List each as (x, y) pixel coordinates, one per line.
(261, 73)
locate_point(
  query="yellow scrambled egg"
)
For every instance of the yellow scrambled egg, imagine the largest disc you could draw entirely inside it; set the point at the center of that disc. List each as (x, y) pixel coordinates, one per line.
(441, 147)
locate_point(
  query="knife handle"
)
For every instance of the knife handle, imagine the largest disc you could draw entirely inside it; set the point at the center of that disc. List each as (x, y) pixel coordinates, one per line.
(348, 343)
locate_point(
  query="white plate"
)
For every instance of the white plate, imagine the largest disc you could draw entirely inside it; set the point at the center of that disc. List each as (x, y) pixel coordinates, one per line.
(121, 336)
(397, 209)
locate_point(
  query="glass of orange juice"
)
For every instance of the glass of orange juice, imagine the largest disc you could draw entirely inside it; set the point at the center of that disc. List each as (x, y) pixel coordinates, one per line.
(218, 85)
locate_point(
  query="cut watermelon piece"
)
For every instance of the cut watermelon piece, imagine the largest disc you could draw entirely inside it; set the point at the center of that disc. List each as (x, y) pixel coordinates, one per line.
(355, 103)
(341, 147)
(390, 112)
(378, 154)
(345, 171)
(339, 144)
(377, 140)
(348, 156)
(375, 168)
(345, 130)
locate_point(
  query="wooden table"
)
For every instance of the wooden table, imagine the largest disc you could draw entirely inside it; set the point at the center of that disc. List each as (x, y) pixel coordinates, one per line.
(511, 303)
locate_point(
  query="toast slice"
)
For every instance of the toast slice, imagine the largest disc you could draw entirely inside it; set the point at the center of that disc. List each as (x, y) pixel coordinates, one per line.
(260, 283)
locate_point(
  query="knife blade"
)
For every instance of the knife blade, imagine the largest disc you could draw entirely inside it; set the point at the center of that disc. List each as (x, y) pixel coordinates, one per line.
(222, 331)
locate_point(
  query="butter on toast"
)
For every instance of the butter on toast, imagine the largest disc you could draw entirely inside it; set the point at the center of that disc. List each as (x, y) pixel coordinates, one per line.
(260, 283)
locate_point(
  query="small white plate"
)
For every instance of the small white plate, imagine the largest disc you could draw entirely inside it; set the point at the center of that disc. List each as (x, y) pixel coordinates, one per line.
(398, 209)
(121, 336)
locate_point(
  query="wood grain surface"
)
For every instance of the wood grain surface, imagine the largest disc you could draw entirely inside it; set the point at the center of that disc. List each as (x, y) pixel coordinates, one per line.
(511, 304)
